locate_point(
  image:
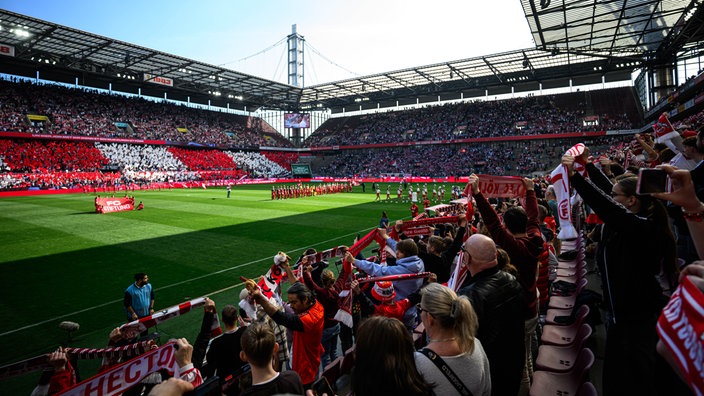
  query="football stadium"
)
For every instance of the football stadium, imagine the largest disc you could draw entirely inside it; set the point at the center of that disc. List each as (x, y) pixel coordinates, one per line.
(529, 221)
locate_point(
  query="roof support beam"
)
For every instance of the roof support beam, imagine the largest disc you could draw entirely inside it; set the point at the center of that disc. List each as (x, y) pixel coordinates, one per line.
(429, 78)
(32, 41)
(86, 52)
(380, 88)
(534, 11)
(402, 83)
(618, 26)
(165, 71)
(353, 92)
(591, 31)
(493, 70)
(460, 73)
(649, 23)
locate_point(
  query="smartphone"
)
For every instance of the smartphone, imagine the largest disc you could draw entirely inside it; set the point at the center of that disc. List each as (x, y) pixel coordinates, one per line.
(322, 386)
(652, 181)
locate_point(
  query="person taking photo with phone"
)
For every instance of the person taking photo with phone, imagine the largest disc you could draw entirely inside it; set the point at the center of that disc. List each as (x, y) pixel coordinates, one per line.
(635, 245)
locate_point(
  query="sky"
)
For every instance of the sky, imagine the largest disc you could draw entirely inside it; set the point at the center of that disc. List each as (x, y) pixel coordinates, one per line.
(355, 38)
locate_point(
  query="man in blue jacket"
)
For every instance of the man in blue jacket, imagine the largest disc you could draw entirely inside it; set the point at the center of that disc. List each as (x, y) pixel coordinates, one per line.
(407, 262)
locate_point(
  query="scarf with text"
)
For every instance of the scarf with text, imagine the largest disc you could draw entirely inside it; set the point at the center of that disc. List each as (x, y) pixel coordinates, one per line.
(561, 182)
(120, 378)
(679, 326)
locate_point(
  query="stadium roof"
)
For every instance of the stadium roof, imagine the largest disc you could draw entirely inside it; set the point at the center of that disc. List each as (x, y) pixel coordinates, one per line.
(580, 40)
(521, 70)
(103, 60)
(613, 26)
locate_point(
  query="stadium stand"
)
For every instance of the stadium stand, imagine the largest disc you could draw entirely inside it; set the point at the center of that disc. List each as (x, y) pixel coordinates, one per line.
(534, 115)
(259, 165)
(60, 110)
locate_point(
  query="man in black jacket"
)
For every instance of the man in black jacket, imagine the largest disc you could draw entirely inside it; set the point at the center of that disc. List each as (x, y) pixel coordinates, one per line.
(223, 354)
(500, 304)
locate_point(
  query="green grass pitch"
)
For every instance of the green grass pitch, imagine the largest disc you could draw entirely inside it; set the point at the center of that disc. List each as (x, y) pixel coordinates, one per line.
(61, 261)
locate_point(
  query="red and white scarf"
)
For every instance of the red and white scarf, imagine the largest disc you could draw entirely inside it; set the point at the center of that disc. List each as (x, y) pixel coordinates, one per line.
(126, 375)
(665, 133)
(680, 326)
(561, 182)
(40, 362)
(132, 329)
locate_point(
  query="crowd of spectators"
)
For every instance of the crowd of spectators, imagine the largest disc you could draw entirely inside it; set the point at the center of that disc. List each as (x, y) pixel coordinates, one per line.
(46, 156)
(283, 158)
(500, 158)
(532, 115)
(203, 159)
(59, 180)
(141, 164)
(258, 165)
(138, 157)
(49, 164)
(81, 112)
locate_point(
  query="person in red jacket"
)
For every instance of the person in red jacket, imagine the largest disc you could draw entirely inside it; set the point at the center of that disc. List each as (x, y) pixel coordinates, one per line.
(330, 299)
(307, 324)
(384, 293)
(414, 210)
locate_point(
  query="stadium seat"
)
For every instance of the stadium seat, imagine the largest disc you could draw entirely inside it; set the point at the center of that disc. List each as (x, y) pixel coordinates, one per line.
(570, 264)
(587, 389)
(546, 383)
(560, 359)
(342, 385)
(564, 302)
(571, 276)
(564, 335)
(332, 371)
(347, 362)
(557, 316)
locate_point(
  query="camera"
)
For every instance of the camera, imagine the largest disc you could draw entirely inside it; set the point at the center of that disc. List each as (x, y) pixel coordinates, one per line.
(651, 181)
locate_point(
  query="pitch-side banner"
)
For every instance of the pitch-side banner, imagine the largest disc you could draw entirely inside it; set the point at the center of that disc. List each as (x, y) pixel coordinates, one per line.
(108, 205)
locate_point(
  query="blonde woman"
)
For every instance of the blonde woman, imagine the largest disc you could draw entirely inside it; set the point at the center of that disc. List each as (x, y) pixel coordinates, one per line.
(453, 350)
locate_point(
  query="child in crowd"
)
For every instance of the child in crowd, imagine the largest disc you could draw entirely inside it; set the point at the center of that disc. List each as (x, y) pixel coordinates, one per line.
(384, 294)
(259, 348)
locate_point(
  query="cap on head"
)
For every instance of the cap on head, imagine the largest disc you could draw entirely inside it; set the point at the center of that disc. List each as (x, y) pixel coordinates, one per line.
(384, 291)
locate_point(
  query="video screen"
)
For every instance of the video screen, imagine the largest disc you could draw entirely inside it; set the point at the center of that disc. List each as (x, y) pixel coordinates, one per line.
(297, 120)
